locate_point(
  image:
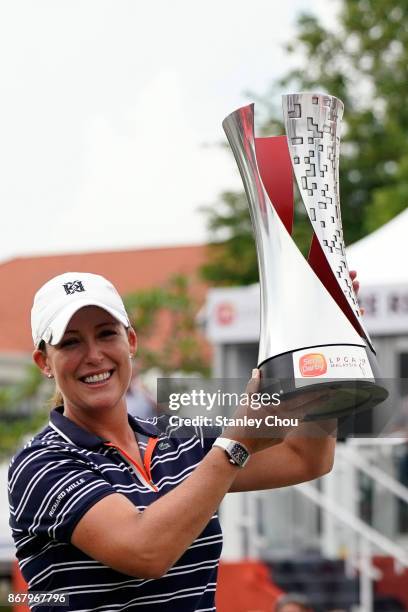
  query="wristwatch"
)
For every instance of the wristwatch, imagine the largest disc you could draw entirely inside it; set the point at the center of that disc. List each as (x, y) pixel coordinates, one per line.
(237, 453)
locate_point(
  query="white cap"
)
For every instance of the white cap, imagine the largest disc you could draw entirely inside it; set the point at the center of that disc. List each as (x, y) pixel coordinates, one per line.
(56, 302)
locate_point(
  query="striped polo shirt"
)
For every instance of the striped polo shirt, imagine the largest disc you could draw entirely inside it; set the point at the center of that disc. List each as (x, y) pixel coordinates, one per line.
(62, 472)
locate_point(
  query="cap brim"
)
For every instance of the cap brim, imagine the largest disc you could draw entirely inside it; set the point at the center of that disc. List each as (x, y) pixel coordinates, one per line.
(60, 323)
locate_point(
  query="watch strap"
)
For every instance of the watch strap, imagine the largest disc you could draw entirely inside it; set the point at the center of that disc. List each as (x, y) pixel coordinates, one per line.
(229, 445)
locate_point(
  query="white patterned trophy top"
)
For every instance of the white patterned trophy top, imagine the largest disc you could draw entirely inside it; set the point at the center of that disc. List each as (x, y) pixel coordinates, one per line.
(312, 124)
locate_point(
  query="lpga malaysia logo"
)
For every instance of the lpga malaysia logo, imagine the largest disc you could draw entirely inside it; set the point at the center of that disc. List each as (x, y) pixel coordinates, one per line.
(74, 287)
(347, 361)
(316, 364)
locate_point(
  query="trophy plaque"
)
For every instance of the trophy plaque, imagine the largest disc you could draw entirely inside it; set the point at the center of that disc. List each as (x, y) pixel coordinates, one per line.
(312, 335)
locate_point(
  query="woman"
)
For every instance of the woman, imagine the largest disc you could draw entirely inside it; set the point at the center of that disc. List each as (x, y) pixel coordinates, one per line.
(114, 512)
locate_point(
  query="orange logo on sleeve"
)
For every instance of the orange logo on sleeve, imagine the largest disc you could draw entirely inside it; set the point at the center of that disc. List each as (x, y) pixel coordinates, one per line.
(312, 364)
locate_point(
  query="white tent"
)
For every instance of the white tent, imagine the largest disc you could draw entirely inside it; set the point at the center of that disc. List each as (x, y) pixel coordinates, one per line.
(382, 257)
(381, 262)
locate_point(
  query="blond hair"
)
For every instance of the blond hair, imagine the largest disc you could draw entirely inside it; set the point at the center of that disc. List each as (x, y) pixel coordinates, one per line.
(56, 399)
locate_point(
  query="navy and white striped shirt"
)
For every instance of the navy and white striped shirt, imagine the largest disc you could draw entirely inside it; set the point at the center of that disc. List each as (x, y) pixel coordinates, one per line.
(62, 472)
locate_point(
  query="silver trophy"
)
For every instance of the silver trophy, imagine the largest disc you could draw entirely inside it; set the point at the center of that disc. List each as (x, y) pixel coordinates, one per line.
(312, 332)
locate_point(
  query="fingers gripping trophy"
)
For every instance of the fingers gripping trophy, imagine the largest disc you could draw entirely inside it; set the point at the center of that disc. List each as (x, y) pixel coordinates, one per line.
(312, 334)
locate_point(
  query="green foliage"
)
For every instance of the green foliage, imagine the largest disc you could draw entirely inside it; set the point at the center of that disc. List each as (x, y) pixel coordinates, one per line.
(231, 261)
(19, 414)
(171, 312)
(363, 61)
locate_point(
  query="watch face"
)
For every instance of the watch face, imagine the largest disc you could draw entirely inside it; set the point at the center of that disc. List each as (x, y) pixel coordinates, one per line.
(238, 454)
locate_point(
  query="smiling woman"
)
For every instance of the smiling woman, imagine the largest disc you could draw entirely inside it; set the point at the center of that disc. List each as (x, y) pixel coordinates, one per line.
(90, 363)
(115, 512)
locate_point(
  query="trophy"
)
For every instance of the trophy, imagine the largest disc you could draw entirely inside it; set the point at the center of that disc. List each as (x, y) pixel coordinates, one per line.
(312, 335)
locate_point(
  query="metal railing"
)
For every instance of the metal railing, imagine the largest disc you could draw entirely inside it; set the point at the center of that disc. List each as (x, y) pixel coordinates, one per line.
(339, 489)
(369, 538)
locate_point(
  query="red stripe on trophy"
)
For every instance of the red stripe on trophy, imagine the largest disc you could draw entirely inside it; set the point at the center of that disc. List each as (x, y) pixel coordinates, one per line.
(275, 168)
(321, 267)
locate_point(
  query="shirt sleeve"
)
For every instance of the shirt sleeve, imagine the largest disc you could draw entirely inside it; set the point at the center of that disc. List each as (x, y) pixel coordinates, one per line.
(50, 490)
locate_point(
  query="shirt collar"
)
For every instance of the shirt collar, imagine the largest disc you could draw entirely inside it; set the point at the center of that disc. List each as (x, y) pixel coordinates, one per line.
(74, 434)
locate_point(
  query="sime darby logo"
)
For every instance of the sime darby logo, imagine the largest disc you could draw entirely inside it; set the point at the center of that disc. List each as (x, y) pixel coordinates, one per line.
(312, 364)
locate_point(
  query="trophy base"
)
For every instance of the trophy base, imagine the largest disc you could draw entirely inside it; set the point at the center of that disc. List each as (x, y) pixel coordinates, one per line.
(348, 374)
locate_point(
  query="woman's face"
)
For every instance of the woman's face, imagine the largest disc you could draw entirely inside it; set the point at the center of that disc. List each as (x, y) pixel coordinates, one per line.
(91, 364)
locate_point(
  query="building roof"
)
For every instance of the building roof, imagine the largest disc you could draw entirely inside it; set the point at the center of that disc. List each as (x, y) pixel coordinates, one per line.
(129, 271)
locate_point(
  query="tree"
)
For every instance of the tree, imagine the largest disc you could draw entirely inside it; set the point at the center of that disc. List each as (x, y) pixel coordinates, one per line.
(233, 260)
(171, 312)
(363, 61)
(19, 411)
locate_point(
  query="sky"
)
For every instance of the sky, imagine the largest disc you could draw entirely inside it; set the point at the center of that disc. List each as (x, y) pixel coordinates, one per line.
(111, 112)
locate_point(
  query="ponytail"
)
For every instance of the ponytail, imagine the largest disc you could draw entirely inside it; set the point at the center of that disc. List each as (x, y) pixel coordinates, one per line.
(56, 399)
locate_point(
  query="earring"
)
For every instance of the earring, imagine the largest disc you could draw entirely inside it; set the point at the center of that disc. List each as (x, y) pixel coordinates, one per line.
(49, 375)
(130, 356)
